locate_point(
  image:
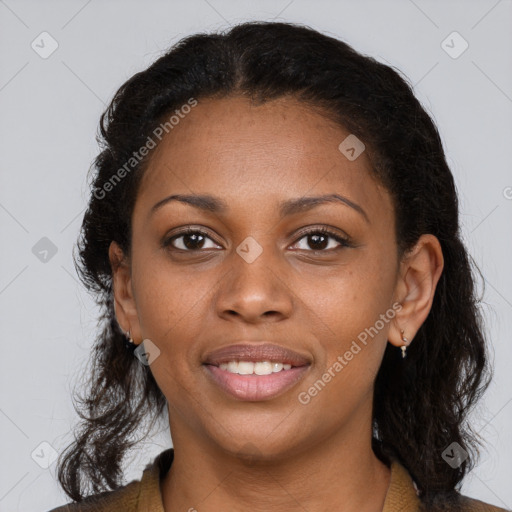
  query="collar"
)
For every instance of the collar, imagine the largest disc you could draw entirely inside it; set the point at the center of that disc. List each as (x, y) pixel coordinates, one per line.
(402, 495)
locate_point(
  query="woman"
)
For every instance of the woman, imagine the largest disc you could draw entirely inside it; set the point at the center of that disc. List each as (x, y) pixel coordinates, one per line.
(273, 236)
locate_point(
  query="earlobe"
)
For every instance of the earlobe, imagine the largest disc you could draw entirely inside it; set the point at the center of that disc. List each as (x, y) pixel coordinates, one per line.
(124, 303)
(419, 275)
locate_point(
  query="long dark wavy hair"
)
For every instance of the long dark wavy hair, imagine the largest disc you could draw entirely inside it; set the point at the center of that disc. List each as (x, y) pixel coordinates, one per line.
(421, 403)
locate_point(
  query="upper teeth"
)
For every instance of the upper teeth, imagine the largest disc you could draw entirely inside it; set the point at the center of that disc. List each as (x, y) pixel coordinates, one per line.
(258, 368)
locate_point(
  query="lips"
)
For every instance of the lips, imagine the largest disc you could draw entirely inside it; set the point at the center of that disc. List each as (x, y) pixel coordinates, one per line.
(255, 353)
(252, 386)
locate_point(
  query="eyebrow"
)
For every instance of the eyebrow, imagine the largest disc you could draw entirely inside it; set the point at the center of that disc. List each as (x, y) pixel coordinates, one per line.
(214, 204)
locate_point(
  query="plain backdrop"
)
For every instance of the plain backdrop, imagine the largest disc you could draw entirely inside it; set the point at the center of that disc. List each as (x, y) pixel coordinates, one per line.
(50, 108)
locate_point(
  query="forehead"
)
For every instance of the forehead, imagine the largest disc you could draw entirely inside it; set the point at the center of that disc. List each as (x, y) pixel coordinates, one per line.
(283, 148)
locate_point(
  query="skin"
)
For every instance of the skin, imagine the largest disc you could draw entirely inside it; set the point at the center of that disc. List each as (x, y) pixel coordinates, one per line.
(278, 453)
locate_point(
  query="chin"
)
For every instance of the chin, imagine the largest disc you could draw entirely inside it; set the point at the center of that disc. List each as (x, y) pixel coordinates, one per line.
(257, 446)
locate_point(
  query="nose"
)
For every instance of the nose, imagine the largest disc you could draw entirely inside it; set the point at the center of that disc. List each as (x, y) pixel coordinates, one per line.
(255, 291)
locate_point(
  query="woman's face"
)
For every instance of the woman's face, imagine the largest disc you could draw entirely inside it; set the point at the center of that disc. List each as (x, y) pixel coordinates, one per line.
(251, 275)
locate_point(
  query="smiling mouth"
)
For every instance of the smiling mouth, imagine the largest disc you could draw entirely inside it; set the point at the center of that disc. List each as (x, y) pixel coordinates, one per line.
(259, 372)
(253, 387)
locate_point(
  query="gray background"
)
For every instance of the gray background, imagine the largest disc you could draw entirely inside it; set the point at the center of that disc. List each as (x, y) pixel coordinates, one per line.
(50, 109)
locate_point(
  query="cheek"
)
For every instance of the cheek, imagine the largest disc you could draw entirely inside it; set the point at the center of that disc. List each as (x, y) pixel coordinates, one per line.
(163, 294)
(350, 300)
(353, 349)
(171, 306)
(354, 307)
(171, 309)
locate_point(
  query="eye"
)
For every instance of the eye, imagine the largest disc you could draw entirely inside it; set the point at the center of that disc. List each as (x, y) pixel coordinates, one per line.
(194, 240)
(190, 240)
(318, 240)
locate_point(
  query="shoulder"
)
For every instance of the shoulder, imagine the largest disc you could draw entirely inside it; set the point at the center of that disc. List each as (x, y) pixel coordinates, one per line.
(403, 494)
(131, 497)
(125, 498)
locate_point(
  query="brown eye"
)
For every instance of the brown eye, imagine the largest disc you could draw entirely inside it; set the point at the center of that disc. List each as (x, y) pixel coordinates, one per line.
(190, 240)
(318, 240)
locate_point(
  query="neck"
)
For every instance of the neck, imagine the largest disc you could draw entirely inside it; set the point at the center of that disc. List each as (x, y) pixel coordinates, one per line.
(342, 473)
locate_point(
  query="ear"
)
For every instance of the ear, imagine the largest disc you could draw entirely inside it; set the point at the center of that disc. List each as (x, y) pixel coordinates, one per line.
(124, 302)
(419, 274)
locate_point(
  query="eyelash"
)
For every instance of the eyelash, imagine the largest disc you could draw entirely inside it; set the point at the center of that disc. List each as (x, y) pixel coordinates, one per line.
(343, 241)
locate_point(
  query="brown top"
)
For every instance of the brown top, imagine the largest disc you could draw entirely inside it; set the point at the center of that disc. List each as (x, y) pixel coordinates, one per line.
(144, 495)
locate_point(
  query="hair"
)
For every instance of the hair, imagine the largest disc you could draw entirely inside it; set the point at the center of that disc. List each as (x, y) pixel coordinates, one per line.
(421, 403)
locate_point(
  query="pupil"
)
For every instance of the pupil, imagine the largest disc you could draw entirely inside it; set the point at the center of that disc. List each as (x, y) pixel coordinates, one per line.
(315, 239)
(193, 245)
